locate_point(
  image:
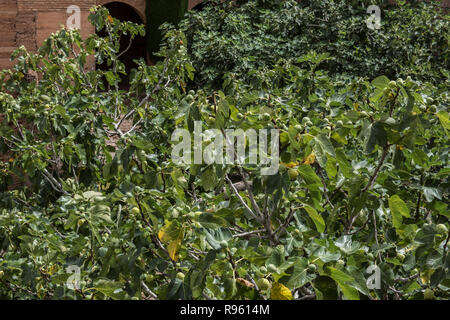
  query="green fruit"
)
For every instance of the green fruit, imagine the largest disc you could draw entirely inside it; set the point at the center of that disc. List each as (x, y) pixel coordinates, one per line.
(297, 231)
(309, 124)
(428, 294)
(263, 284)
(370, 256)
(266, 117)
(305, 119)
(392, 84)
(2, 273)
(339, 123)
(293, 174)
(180, 275)
(221, 255)
(233, 250)
(341, 262)
(263, 270)
(223, 244)
(135, 210)
(45, 98)
(312, 267)
(298, 127)
(441, 228)
(148, 278)
(272, 268)
(401, 256)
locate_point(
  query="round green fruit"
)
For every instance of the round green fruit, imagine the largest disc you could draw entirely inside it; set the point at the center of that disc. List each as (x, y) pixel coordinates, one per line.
(263, 284)
(441, 228)
(428, 294)
(263, 270)
(341, 262)
(298, 127)
(180, 275)
(44, 97)
(312, 267)
(272, 268)
(223, 244)
(293, 174)
(135, 210)
(401, 256)
(392, 84)
(221, 255)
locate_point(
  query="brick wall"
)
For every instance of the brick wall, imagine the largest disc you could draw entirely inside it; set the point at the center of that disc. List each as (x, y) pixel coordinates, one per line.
(8, 13)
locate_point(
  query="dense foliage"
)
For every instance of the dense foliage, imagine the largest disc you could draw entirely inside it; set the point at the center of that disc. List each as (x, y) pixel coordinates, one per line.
(363, 177)
(413, 39)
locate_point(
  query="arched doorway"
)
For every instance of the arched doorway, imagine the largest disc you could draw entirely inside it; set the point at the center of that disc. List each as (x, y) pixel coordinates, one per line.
(199, 7)
(125, 12)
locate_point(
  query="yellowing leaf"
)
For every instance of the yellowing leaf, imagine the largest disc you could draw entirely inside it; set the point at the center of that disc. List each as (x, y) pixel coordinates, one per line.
(173, 248)
(290, 164)
(280, 292)
(310, 159)
(110, 19)
(426, 276)
(172, 234)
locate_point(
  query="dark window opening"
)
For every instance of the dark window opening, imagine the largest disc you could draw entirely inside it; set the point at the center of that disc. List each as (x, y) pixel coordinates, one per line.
(199, 7)
(125, 12)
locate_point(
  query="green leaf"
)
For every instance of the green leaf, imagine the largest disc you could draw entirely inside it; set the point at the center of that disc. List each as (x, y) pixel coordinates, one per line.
(381, 82)
(325, 144)
(398, 209)
(325, 288)
(300, 275)
(444, 119)
(316, 218)
(209, 179)
(111, 289)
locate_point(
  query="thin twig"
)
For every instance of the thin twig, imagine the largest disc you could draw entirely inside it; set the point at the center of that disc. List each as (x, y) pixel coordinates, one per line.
(377, 169)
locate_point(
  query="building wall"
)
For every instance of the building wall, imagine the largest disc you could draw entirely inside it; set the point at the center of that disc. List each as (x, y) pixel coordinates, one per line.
(30, 22)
